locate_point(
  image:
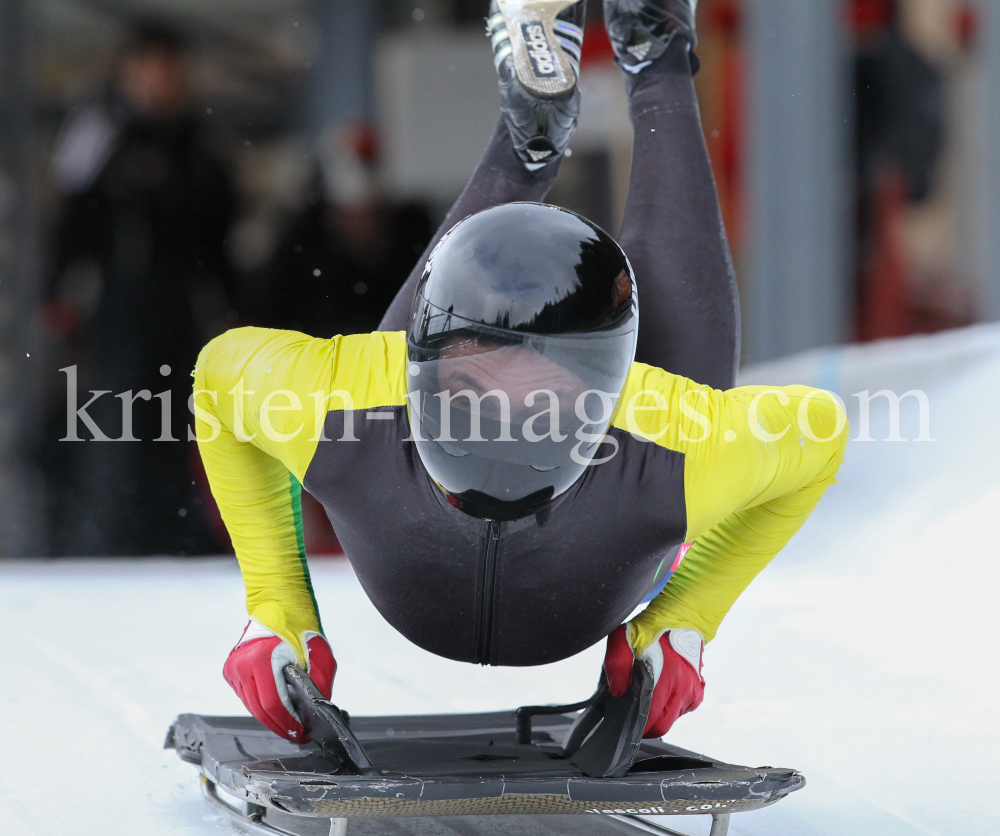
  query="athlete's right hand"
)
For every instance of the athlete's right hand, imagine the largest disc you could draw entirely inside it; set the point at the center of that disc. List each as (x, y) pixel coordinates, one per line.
(675, 659)
(254, 670)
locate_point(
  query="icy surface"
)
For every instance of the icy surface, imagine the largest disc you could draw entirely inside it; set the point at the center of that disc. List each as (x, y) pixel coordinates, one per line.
(865, 656)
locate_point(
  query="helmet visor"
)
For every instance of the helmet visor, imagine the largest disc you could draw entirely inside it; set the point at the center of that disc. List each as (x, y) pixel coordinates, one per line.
(509, 418)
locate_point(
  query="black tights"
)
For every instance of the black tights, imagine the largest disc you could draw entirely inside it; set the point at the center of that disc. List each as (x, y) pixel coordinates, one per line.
(672, 231)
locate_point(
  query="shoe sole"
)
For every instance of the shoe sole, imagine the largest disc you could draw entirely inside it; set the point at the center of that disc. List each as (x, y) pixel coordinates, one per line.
(539, 61)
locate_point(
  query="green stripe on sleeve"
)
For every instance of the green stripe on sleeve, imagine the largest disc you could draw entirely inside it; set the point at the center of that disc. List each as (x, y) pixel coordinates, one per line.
(295, 492)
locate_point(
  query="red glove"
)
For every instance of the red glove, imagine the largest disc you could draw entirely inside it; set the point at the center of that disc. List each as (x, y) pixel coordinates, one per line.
(676, 661)
(254, 670)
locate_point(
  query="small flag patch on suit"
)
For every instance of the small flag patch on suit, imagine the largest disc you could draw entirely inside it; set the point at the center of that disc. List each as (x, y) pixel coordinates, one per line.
(681, 554)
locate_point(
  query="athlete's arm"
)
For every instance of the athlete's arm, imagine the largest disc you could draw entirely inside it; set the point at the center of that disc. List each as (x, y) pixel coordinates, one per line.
(757, 461)
(261, 398)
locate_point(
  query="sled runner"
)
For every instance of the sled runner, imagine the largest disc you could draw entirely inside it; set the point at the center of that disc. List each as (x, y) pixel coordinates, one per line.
(587, 761)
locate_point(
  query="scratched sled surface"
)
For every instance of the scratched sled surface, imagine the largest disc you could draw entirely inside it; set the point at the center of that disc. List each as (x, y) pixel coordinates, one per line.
(464, 764)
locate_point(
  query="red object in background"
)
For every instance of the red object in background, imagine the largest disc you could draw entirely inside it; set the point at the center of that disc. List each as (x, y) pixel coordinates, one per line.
(893, 299)
(723, 18)
(871, 16)
(596, 46)
(364, 142)
(883, 298)
(967, 24)
(727, 17)
(60, 318)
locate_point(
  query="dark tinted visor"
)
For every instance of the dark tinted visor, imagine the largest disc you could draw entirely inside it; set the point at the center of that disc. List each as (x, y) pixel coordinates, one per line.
(510, 415)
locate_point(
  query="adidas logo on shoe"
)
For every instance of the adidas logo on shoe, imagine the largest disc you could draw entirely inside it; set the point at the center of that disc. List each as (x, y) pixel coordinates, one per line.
(538, 155)
(639, 51)
(543, 62)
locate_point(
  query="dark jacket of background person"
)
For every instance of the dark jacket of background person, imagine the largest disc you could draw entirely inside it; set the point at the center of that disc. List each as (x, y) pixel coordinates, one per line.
(341, 259)
(149, 205)
(899, 100)
(900, 112)
(337, 269)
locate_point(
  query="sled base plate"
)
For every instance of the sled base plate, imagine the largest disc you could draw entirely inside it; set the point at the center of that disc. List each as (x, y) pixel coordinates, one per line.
(456, 765)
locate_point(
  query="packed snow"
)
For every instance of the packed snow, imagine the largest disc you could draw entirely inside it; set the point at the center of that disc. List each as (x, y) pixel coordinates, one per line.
(864, 656)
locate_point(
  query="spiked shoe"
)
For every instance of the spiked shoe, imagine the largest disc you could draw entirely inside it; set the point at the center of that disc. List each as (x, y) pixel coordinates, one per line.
(641, 30)
(536, 51)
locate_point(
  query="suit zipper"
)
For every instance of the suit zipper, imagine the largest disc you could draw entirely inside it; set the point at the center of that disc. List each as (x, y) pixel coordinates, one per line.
(489, 582)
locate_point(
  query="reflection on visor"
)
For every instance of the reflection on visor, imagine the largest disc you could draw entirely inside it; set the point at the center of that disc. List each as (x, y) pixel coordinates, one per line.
(508, 415)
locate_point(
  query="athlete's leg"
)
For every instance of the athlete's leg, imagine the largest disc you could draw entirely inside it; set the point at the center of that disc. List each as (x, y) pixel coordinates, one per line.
(673, 234)
(499, 178)
(539, 106)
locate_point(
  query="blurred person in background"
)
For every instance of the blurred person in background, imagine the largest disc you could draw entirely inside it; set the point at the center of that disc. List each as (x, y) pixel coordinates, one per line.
(899, 100)
(342, 259)
(340, 262)
(148, 206)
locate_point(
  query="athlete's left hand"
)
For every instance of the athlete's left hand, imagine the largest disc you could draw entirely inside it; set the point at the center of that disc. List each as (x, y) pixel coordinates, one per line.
(676, 661)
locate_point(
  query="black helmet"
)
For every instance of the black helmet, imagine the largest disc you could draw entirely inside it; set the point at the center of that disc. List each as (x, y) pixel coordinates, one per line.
(521, 336)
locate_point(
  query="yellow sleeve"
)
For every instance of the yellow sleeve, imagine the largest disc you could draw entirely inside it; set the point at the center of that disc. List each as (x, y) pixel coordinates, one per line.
(757, 460)
(261, 398)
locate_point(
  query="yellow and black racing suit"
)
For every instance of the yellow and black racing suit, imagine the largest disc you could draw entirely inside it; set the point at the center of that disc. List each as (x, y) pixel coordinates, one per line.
(732, 471)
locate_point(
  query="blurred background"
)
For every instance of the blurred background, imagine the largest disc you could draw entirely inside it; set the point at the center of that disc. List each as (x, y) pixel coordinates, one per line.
(170, 169)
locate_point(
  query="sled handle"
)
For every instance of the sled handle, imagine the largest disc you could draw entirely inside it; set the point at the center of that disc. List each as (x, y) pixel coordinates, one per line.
(610, 749)
(523, 715)
(605, 737)
(326, 723)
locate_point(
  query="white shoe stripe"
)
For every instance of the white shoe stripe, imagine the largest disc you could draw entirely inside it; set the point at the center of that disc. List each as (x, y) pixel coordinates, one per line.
(572, 55)
(502, 53)
(571, 49)
(562, 27)
(634, 68)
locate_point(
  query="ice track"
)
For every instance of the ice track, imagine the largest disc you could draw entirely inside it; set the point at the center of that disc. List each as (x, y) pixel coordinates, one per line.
(865, 656)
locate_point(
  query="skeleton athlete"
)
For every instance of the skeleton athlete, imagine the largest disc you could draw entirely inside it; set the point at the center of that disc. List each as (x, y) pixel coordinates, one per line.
(512, 463)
